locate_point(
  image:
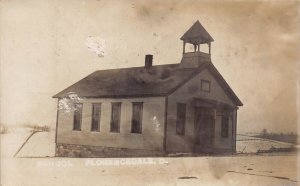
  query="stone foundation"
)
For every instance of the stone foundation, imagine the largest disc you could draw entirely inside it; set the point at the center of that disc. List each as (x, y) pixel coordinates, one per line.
(72, 150)
(223, 151)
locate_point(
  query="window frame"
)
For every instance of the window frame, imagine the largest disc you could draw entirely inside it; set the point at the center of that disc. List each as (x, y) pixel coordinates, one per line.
(202, 85)
(80, 116)
(99, 117)
(140, 117)
(119, 115)
(181, 119)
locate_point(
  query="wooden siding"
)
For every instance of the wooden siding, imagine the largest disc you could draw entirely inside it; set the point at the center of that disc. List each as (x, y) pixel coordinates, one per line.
(152, 125)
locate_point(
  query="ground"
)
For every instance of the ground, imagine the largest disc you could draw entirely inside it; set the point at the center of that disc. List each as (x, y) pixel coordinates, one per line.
(243, 169)
(249, 144)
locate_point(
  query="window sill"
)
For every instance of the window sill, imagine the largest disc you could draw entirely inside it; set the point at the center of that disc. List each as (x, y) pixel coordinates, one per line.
(95, 131)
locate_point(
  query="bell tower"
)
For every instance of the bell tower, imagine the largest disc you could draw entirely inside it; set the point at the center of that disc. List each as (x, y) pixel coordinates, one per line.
(196, 36)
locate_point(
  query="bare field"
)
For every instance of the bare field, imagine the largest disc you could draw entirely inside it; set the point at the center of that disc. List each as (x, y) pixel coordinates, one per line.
(249, 144)
(271, 169)
(238, 170)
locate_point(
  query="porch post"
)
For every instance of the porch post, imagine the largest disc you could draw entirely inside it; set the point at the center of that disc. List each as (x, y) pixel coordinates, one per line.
(234, 126)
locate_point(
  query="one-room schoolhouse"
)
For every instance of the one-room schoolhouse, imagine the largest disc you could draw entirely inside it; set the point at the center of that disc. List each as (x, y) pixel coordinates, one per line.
(151, 110)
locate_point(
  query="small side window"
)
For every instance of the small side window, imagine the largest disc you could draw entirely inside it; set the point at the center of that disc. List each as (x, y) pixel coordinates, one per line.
(180, 121)
(225, 127)
(205, 86)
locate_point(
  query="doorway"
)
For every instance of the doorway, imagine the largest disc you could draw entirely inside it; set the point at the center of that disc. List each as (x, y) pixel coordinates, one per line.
(204, 130)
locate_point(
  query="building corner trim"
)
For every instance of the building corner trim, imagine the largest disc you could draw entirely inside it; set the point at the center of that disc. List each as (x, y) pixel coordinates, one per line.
(165, 125)
(56, 125)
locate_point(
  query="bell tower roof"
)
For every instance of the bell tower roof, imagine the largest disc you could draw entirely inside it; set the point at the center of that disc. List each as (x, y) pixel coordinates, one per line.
(197, 35)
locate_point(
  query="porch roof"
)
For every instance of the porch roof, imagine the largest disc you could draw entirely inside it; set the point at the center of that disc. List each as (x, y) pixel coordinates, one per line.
(203, 102)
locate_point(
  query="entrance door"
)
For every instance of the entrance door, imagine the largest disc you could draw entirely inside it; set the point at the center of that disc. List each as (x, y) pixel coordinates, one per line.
(204, 130)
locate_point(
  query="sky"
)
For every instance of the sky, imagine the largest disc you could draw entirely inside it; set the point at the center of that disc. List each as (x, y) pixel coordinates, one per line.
(44, 50)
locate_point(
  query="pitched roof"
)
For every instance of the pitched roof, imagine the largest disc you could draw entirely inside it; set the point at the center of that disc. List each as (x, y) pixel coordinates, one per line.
(160, 80)
(127, 82)
(197, 35)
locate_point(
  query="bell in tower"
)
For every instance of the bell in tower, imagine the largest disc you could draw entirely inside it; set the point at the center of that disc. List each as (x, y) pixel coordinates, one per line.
(196, 35)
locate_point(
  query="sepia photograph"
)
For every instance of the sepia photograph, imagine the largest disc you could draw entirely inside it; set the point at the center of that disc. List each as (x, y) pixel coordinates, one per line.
(136, 92)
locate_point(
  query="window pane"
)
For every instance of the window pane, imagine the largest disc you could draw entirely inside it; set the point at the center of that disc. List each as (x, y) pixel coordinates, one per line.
(180, 121)
(224, 129)
(115, 117)
(137, 113)
(205, 86)
(96, 113)
(77, 116)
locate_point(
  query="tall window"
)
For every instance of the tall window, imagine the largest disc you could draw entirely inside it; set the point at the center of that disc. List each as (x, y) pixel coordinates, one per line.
(77, 116)
(180, 121)
(115, 117)
(137, 116)
(96, 113)
(225, 127)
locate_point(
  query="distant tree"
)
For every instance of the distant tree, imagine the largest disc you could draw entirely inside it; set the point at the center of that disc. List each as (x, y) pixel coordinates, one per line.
(264, 132)
(292, 134)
